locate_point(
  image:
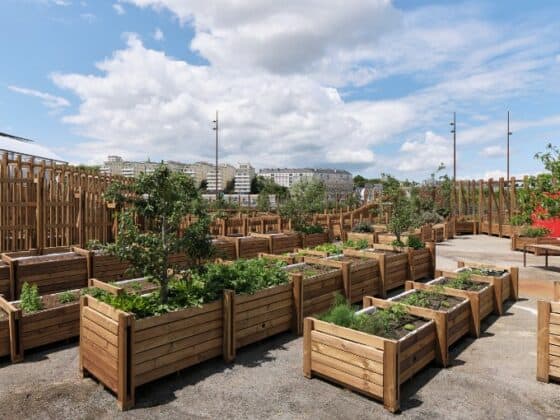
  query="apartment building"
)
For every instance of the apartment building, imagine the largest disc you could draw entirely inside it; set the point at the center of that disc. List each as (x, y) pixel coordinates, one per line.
(116, 165)
(335, 180)
(243, 177)
(226, 173)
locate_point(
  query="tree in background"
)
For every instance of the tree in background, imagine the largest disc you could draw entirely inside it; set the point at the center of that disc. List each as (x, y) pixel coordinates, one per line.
(163, 198)
(230, 187)
(403, 217)
(306, 198)
(263, 202)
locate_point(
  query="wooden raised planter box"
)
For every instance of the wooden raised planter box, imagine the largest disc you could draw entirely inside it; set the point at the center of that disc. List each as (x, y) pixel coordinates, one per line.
(264, 314)
(51, 272)
(224, 249)
(317, 291)
(57, 321)
(311, 240)
(248, 246)
(9, 315)
(287, 258)
(466, 227)
(123, 352)
(388, 238)
(548, 340)
(393, 265)
(370, 237)
(438, 232)
(509, 231)
(518, 243)
(422, 262)
(5, 280)
(426, 233)
(451, 324)
(363, 276)
(280, 243)
(506, 286)
(481, 301)
(371, 365)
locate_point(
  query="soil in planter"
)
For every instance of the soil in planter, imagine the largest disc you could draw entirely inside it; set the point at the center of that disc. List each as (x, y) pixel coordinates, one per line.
(47, 258)
(430, 300)
(392, 323)
(462, 284)
(55, 301)
(487, 272)
(311, 270)
(353, 259)
(137, 287)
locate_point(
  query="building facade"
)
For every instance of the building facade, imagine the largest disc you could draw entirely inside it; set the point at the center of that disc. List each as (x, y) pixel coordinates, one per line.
(117, 166)
(243, 177)
(336, 181)
(226, 173)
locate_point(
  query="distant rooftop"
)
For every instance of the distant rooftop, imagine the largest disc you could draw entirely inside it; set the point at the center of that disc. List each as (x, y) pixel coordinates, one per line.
(308, 170)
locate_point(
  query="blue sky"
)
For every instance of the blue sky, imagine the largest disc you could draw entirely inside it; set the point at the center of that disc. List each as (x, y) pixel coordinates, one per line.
(365, 85)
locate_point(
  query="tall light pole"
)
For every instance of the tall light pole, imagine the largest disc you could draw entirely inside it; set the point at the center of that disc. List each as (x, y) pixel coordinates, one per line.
(509, 133)
(454, 131)
(215, 128)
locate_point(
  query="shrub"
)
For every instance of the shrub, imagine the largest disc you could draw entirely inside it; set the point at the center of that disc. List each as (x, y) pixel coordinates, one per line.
(30, 301)
(415, 242)
(310, 229)
(67, 297)
(534, 232)
(362, 228)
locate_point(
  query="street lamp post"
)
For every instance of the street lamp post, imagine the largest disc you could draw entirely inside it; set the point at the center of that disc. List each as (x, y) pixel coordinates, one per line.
(454, 132)
(215, 128)
(509, 133)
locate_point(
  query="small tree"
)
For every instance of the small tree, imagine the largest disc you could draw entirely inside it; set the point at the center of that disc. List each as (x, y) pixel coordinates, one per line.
(306, 198)
(263, 202)
(162, 198)
(402, 217)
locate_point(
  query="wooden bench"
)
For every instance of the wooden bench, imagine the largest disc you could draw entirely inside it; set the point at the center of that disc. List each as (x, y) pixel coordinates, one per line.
(547, 248)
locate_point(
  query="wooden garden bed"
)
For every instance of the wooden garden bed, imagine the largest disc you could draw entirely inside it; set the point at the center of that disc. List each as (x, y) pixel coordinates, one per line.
(53, 272)
(57, 321)
(438, 232)
(370, 237)
(261, 315)
(548, 341)
(451, 323)
(466, 227)
(363, 276)
(9, 315)
(506, 286)
(5, 286)
(388, 238)
(518, 243)
(280, 243)
(287, 258)
(422, 262)
(481, 301)
(393, 265)
(311, 240)
(123, 352)
(224, 249)
(248, 246)
(372, 365)
(318, 285)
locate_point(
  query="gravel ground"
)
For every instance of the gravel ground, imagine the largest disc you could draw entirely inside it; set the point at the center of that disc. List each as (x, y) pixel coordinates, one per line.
(492, 377)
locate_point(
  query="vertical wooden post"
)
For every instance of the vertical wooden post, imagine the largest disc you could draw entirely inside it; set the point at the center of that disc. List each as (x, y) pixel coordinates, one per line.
(229, 348)
(433, 255)
(81, 218)
(490, 203)
(543, 338)
(40, 210)
(501, 202)
(383, 275)
(514, 286)
(307, 328)
(391, 376)
(442, 355)
(346, 266)
(297, 285)
(556, 294)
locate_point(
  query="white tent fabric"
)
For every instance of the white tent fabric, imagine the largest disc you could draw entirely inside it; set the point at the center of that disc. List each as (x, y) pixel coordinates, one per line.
(30, 149)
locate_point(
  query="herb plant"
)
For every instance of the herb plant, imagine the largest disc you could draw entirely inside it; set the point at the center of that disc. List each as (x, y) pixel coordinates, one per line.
(30, 301)
(67, 297)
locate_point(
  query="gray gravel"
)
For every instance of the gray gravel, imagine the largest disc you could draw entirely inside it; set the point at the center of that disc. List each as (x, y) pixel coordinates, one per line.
(492, 377)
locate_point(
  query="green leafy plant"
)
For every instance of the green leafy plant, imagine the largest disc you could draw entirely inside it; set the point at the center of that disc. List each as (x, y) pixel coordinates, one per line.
(535, 232)
(310, 229)
(362, 228)
(67, 297)
(426, 299)
(330, 248)
(359, 244)
(415, 242)
(30, 301)
(306, 198)
(398, 243)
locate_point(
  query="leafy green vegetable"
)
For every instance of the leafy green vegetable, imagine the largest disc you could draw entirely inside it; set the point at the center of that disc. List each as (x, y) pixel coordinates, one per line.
(67, 297)
(30, 301)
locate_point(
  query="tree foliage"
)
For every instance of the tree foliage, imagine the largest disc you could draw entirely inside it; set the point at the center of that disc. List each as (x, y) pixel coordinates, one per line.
(162, 199)
(306, 198)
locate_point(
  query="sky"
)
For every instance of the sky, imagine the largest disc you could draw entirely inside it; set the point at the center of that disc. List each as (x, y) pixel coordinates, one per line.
(364, 85)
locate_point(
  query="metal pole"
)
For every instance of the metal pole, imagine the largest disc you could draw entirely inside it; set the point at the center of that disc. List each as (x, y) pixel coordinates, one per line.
(508, 134)
(454, 131)
(216, 126)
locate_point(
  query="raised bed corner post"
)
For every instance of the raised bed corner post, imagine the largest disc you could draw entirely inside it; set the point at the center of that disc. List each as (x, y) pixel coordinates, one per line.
(14, 329)
(307, 327)
(229, 348)
(297, 285)
(391, 376)
(543, 341)
(433, 254)
(345, 266)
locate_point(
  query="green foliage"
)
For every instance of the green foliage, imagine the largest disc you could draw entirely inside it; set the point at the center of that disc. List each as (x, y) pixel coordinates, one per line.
(489, 272)
(163, 198)
(30, 301)
(382, 322)
(398, 243)
(330, 248)
(306, 198)
(362, 227)
(67, 297)
(230, 187)
(94, 245)
(359, 244)
(264, 185)
(309, 229)
(403, 216)
(551, 160)
(263, 202)
(415, 242)
(426, 299)
(534, 232)
(463, 281)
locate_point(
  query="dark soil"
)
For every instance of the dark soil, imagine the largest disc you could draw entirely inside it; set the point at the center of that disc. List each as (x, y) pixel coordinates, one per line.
(430, 300)
(468, 285)
(488, 272)
(311, 270)
(48, 258)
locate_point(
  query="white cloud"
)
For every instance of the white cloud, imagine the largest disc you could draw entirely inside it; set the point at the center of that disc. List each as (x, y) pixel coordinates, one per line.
(62, 2)
(50, 101)
(158, 35)
(493, 151)
(119, 9)
(425, 154)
